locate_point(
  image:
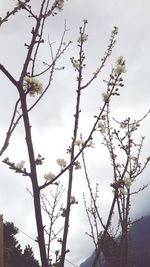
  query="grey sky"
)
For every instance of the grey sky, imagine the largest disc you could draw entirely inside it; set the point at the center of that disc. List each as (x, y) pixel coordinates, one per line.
(52, 119)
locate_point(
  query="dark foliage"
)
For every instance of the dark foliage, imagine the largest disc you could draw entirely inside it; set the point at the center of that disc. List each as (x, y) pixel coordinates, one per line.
(139, 247)
(13, 254)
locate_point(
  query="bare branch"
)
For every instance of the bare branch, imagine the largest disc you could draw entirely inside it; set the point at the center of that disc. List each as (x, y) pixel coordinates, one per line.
(8, 75)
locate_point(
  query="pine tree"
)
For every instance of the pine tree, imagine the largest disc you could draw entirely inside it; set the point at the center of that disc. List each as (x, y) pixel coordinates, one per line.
(28, 258)
(13, 255)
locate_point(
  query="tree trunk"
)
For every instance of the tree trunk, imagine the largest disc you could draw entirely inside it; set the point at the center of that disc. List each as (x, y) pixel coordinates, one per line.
(34, 180)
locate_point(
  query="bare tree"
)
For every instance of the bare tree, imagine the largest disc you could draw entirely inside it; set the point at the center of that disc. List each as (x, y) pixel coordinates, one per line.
(27, 85)
(125, 156)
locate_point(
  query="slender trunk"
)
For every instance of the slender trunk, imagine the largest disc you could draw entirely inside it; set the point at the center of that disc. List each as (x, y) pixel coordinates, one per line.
(36, 191)
(66, 225)
(39, 225)
(124, 252)
(124, 237)
(124, 246)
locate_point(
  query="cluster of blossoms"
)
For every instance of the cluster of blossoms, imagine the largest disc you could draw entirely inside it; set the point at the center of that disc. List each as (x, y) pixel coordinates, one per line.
(112, 40)
(76, 63)
(59, 4)
(79, 143)
(39, 160)
(20, 165)
(73, 200)
(49, 176)
(133, 158)
(21, 3)
(32, 86)
(133, 126)
(124, 124)
(61, 163)
(77, 165)
(91, 144)
(105, 97)
(123, 191)
(120, 65)
(127, 181)
(83, 38)
(101, 127)
(122, 185)
(63, 214)
(92, 210)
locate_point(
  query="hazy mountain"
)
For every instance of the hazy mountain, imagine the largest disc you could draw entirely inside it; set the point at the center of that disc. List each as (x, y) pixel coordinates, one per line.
(139, 246)
(140, 242)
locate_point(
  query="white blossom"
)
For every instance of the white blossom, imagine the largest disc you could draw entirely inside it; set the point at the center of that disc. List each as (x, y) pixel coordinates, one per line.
(76, 64)
(120, 65)
(123, 125)
(61, 162)
(19, 3)
(103, 117)
(78, 142)
(123, 192)
(33, 86)
(102, 127)
(134, 125)
(73, 200)
(105, 97)
(133, 158)
(119, 60)
(77, 165)
(82, 38)
(91, 144)
(127, 181)
(49, 176)
(20, 165)
(59, 4)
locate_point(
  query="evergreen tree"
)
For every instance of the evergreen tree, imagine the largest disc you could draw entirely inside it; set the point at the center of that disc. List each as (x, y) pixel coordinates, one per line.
(13, 255)
(28, 259)
(12, 248)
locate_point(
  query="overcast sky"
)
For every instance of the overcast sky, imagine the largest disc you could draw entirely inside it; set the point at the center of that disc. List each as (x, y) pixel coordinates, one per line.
(52, 120)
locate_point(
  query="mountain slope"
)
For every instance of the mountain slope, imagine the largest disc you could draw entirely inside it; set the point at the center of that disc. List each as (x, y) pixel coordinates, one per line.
(139, 246)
